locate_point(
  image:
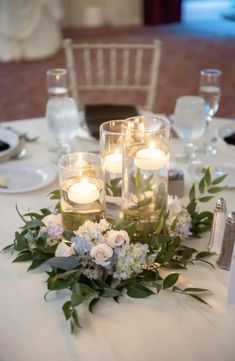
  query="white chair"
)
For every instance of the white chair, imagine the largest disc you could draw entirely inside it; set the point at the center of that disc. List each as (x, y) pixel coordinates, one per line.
(114, 67)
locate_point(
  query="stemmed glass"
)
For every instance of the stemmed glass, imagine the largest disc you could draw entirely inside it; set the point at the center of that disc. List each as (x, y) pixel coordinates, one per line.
(61, 111)
(210, 91)
(189, 123)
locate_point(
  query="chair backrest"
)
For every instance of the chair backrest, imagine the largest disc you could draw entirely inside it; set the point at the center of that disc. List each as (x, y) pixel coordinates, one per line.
(114, 67)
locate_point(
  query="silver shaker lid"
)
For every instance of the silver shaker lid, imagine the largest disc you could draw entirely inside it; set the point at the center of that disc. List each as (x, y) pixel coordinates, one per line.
(221, 204)
(231, 217)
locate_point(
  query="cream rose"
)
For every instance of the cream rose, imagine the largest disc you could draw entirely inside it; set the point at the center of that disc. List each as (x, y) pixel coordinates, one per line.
(63, 250)
(117, 238)
(52, 218)
(101, 254)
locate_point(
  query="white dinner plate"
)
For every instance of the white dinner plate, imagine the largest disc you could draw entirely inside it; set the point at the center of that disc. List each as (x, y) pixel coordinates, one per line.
(195, 171)
(11, 138)
(25, 177)
(226, 131)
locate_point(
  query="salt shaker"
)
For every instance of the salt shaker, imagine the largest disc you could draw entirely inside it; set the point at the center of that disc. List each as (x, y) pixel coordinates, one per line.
(225, 258)
(218, 225)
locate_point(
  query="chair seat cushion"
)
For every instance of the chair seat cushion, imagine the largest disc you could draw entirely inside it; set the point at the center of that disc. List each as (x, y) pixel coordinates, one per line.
(96, 114)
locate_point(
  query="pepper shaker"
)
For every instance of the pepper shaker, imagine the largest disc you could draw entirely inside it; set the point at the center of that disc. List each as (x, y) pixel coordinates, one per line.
(225, 258)
(218, 225)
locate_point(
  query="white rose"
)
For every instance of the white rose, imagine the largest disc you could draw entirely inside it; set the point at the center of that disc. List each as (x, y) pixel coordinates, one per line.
(101, 254)
(52, 218)
(63, 250)
(117, 238)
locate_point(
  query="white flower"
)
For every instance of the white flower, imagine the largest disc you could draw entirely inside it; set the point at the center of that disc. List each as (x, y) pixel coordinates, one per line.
(174, 203)
(53, 227)
(117, 238)
(90, 231)
(103, 225)
(52, 218)
(184, 221)
(63, 250)
(101, 254)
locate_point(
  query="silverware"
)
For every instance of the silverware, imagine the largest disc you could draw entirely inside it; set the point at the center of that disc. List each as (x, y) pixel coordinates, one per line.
(23, 136)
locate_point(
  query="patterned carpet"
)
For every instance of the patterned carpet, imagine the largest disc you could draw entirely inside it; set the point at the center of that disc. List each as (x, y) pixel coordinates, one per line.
(186, 50)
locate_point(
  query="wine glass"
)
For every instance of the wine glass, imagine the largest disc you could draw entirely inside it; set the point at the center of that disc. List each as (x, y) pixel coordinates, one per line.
(63, 120)
(189, 123)
(210, 90)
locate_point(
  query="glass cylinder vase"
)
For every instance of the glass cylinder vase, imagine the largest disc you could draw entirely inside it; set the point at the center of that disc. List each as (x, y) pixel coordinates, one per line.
(145, 171)
(82, 189)
(111, 160)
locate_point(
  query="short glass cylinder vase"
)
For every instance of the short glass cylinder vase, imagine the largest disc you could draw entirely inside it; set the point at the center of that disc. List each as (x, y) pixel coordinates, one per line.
(111, 160)
(82, 189)
(145, 171)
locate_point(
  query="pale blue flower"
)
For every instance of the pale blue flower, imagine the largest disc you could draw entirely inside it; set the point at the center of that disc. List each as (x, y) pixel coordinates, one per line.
(81, 245)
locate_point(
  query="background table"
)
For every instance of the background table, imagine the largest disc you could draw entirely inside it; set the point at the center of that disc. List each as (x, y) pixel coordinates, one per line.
(166, 327)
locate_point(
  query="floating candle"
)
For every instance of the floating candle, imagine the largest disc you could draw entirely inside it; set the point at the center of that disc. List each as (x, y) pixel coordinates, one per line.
(151, 158)
(113, 162)
(83, 192)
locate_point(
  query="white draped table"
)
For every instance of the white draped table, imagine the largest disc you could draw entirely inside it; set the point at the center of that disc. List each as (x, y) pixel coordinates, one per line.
(165, 327)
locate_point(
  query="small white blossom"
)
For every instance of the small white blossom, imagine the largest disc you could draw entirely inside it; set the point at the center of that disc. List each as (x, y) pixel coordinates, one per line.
(90, 231)
(53, 227)
(101, 254)
(103, 225)
(184, 221)
(63, 250)
(117, 238)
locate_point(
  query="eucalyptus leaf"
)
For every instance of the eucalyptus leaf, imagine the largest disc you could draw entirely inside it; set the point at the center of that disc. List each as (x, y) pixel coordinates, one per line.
(218, 179)
(137, 290)
(198, 298)
(75, 319)
(208, 176)
(214, 190)
(192, 193)
(109, 292)
(203, 254)
(197, 290)
(64, 263)
(202, 185)
(205, 199)
(23, 256)
(82, 289)
(92, 303)
(67, 309)
(170, 280)
(55, 194)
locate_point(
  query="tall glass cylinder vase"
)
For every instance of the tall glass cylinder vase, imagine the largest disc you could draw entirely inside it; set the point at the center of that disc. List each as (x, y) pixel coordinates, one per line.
(111, 159)
(145, 170)
(82, 189)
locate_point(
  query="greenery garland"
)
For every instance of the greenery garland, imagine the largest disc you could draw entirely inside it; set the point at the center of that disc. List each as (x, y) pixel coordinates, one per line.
(79, 269)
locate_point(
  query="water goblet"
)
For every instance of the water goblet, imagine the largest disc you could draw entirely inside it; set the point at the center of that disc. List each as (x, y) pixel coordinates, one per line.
(63, 120)
(190, 122)
(210, 91)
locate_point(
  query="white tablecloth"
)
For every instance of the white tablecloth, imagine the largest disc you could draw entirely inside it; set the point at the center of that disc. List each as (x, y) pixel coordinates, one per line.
(166, 327)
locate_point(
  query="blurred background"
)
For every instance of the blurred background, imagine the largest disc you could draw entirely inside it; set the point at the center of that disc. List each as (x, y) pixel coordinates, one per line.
(195, 34)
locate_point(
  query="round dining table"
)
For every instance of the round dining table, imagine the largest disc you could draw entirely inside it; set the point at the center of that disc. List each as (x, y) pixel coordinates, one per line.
(164, 327)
